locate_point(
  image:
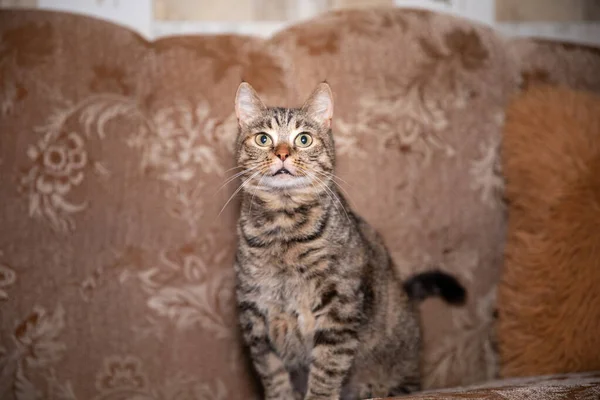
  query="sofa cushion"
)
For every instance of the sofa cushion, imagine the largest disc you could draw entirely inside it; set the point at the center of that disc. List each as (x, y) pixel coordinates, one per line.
(549, 303)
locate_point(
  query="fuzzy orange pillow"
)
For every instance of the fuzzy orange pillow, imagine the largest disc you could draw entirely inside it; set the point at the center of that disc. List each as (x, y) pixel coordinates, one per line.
(549, 297)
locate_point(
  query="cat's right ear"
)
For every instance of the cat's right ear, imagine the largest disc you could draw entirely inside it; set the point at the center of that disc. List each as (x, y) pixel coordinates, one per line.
(248, 105)
(319, 105)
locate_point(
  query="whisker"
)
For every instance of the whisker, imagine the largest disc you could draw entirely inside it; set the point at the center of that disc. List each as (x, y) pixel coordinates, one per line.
(329, 191)
(330, 175)
(334, 176)
(320, 183)
(333, 197)
(231, 169)
(232, 178)
(315, 188)
(255, 189)
(237, 191)
(311, 182)
(326, 174)
(343, 190)
(298, 165)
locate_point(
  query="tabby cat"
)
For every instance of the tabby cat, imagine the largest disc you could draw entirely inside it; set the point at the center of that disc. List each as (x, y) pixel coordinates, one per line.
(322, 310)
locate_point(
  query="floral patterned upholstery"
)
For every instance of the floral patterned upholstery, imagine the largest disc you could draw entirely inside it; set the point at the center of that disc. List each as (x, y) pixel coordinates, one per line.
(115, 253)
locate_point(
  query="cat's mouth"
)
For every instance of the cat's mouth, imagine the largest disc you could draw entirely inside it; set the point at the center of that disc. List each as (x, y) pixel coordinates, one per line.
(282, 171)
(284, 178)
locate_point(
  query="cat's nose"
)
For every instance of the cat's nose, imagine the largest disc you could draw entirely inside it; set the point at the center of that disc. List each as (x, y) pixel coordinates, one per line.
(282, 152)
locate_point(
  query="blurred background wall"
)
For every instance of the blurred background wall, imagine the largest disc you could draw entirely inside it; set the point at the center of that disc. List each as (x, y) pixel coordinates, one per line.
(571, 20)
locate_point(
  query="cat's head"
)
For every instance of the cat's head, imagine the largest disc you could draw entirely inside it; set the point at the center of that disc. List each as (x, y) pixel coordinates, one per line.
(286, 149)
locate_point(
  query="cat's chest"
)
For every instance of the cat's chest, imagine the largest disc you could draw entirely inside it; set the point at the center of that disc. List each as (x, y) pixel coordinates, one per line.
(286, 296)
(291, 321)
(292, 299)
(290, 294)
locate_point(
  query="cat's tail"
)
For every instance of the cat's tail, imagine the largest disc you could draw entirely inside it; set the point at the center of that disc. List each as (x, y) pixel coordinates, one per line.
(435, 283)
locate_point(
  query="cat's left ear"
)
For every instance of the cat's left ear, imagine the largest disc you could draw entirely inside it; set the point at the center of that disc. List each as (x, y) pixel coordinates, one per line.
(248, 105)
(319, 105)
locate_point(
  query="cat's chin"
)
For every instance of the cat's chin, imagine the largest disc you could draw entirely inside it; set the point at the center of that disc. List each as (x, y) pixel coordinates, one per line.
(284, 181)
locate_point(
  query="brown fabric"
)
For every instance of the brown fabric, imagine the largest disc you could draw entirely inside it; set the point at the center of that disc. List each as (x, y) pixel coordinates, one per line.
(115, 265)
(549, 303)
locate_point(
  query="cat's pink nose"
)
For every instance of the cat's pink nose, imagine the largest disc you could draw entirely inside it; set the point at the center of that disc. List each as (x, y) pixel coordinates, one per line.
(282, 152)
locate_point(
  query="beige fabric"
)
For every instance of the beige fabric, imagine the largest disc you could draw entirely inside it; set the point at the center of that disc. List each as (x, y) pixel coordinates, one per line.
(115, 265)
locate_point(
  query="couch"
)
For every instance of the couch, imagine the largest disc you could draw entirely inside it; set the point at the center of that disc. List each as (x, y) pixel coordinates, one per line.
(115, 253)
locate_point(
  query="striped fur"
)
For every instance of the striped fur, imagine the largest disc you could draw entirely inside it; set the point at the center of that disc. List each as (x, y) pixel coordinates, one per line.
(317, 292)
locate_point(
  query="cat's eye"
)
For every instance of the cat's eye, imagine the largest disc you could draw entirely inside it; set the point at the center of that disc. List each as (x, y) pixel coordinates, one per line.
(263, 140)
(303, 140)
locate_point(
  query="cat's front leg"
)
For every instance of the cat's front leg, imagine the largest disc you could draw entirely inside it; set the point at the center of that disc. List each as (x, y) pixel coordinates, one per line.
(269, 366)
(334, 347)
